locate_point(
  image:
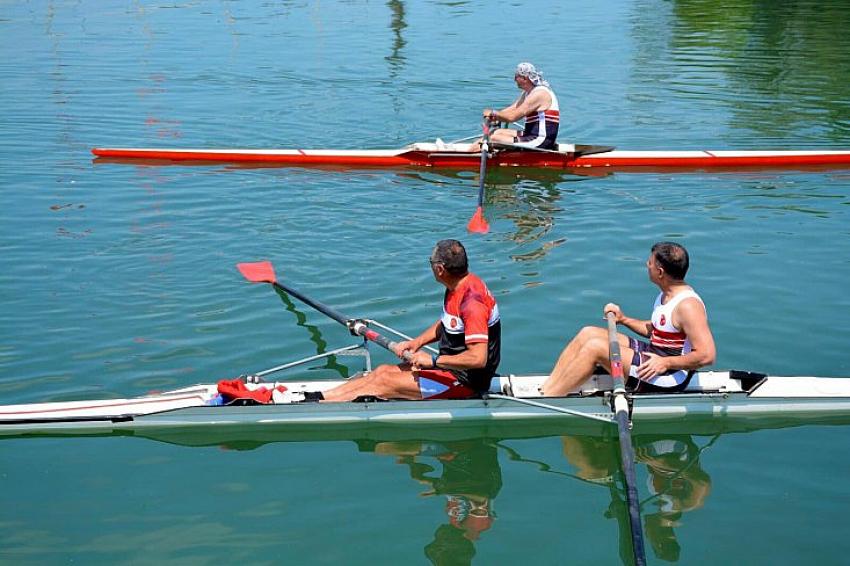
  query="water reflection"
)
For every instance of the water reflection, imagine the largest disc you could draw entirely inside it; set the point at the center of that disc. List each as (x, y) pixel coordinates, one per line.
(316, 337)
(466, 475)
(463, 467)
(528, 198)
(676, 484)
(397, 24)
(773, 58)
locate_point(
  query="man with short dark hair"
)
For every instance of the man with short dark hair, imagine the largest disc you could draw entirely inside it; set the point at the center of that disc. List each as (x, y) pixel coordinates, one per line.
(469, 333)
(680, 340)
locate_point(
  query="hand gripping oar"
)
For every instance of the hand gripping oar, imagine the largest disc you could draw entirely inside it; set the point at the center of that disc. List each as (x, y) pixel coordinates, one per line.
(263, 272)
(478, 223)
(627, 452)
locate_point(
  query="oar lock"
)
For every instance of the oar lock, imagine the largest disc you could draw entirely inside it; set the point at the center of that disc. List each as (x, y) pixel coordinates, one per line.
(353, 324)
(611, 398)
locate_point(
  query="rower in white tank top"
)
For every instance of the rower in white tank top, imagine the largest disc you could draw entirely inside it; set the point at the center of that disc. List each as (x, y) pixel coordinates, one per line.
(665, 339)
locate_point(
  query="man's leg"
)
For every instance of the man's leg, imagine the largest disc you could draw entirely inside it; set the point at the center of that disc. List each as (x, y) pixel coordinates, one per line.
(577, 361)
(502, 135)
(389, 382)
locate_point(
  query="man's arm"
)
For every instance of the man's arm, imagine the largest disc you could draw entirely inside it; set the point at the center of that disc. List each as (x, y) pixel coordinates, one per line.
(535, 101)
(474, 357)
(428, 336)
(639, 327)
(690, 316)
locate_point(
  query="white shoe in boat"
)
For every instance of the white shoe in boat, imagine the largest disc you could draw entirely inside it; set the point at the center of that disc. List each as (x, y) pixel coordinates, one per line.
(286, 396)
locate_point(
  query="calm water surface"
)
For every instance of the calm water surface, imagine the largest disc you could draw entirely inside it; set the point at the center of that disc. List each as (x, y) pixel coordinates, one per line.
(120, 279)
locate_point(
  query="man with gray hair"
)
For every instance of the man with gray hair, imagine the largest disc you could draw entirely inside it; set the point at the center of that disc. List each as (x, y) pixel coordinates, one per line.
(469, 334)
(537, 104)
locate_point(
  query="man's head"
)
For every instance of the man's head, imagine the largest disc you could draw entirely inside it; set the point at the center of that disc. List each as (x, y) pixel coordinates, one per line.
(527, 76)
(670, 257)
(450, 255)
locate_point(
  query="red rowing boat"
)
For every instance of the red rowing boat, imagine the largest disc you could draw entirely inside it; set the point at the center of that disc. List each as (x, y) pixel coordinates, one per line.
(439, 154)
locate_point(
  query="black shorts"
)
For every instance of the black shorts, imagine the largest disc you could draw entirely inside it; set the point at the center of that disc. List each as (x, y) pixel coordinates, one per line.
(682, 377)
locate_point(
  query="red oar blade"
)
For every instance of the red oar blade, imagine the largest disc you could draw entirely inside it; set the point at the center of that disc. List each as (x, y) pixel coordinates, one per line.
(257, 272)
(478, 224)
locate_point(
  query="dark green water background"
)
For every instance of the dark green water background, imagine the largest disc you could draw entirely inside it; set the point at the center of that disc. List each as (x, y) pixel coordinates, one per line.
(119, 279)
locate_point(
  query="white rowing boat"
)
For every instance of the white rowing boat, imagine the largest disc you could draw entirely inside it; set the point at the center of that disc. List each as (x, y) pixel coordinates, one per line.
(723, 395)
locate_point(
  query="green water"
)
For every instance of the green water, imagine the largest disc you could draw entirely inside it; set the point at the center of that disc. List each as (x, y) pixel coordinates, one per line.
(120, 279)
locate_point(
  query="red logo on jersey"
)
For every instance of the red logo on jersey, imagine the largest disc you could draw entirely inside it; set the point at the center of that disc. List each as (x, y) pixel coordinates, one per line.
(453, 323)
(663, 320)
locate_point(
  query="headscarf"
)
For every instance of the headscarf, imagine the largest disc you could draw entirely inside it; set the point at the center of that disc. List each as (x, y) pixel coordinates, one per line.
(530, 72)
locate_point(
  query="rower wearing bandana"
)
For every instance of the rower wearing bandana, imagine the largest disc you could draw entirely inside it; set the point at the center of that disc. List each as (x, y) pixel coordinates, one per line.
(537, 104)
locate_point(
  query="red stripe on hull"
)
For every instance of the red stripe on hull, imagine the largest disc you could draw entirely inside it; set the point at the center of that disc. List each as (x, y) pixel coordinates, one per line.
(299, 158)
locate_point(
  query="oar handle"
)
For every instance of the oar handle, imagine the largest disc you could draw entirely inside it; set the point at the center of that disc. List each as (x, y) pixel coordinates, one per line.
(357, 327)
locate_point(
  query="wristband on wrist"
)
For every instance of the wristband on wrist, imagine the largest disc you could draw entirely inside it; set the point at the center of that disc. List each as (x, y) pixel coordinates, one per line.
(434, 360)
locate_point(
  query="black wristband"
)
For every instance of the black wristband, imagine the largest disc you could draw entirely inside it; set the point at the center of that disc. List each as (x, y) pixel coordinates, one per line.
(434, 360)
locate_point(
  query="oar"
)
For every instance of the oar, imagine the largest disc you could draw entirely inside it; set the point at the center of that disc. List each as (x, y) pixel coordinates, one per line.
(263, 272)
(478, 223)
(627, 452)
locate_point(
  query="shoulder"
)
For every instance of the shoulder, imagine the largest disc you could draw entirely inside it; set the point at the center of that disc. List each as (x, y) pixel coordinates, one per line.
(473, 291)
(539, 93)
(691, 305)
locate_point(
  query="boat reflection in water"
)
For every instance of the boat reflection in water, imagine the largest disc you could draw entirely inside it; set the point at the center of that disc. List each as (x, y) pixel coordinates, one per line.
(676, 484)
(459, 466)
(467, 475)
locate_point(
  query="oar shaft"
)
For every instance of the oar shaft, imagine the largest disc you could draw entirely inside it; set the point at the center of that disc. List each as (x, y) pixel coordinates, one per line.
(321, 307)
(357, 327)
(627, 453)
(482, 170)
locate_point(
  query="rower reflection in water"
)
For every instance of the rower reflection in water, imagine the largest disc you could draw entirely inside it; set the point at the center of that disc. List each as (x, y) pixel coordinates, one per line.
(470, 480)
(676, 481)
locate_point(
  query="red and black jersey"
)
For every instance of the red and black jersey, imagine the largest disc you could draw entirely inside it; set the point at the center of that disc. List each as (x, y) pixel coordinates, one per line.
(471, 315)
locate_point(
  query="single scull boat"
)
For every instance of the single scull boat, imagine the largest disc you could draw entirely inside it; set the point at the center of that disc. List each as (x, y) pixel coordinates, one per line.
(457, 155)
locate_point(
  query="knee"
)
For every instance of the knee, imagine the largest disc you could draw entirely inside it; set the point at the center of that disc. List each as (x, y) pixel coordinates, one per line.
(381, 372)
(595, 347)
(586, 335)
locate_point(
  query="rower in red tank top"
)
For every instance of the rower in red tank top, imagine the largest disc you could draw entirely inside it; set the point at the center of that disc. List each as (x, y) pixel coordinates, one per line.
(469, 334)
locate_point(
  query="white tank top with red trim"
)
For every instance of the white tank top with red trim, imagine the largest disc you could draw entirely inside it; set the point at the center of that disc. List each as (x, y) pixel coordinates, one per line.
(664, 334)
(541, 127)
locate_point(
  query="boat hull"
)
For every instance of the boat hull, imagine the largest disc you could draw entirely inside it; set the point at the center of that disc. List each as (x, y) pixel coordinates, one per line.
(739, 397)
(432, 155)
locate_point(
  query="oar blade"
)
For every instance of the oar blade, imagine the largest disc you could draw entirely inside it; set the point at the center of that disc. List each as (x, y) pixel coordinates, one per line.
(478, 224)
(257, 272)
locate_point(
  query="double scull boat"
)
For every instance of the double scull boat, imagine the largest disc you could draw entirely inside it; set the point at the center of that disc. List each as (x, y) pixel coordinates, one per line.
(745, 397)
(458, 156)
(510, 399)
